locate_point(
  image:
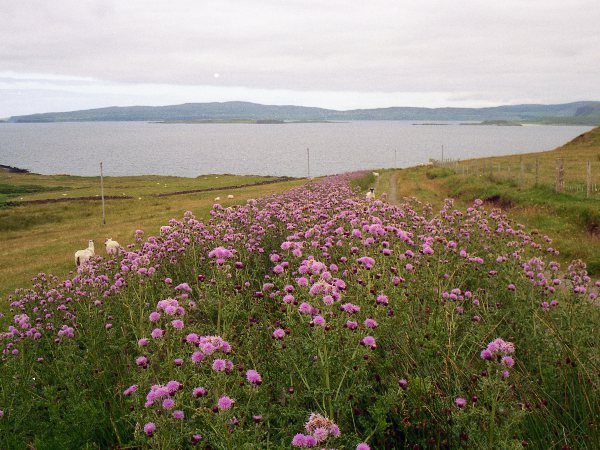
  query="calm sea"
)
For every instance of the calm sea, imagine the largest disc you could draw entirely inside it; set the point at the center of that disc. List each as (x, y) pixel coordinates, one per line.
(139, 148)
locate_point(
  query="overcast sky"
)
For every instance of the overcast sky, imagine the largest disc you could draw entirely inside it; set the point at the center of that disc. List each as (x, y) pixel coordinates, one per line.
(72, 54)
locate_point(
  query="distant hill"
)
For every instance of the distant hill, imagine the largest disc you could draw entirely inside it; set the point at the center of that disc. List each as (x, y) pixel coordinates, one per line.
(587, 113)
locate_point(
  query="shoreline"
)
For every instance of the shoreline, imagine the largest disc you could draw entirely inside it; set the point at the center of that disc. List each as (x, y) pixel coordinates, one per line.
(12, 169)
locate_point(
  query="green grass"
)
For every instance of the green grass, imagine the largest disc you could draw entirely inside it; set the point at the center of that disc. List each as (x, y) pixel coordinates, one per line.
(35, 187)
(569, 218)
(401, 391)
(365, 182)
(43, 237)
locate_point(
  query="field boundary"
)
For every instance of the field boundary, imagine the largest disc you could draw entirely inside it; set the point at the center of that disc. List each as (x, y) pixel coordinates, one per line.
(127, 197)
(236, 186)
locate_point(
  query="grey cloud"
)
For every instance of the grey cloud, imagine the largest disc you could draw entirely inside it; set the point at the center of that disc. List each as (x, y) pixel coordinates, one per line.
(543, 49)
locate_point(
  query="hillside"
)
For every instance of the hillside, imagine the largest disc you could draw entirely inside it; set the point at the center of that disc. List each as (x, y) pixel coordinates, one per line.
(510, 182)
(578, 112)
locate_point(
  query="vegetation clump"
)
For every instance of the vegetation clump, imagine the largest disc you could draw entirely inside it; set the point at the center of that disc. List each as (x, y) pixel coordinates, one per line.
(310, 318)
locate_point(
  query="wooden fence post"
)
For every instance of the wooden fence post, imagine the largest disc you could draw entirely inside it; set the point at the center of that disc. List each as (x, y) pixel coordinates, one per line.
(589, 179)
(521, 173)
(102, 193)
(560, 176)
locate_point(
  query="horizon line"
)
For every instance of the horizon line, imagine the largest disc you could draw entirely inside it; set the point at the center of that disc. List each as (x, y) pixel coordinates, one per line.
(301, 106)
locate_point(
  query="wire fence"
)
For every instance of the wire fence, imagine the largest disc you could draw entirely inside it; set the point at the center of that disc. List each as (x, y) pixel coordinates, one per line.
(577, 177)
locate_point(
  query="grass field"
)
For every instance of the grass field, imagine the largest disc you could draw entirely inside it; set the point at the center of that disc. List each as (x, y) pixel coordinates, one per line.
(310, 319)
(569, 218)
(43, 237)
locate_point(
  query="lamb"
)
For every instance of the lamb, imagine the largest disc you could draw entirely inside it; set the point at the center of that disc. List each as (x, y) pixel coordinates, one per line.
(371, 194)
(217, 199)
(83, 256)
(230, 196)
(112, 247)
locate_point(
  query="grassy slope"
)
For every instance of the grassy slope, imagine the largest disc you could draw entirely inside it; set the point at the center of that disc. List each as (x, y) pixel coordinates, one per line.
(42, 238)
(570, 219)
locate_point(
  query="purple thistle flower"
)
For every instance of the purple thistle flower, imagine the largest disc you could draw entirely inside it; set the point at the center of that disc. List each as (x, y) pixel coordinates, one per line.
(382, 299)
(305, 308)
(225, 403)
(253, 377)
(178, 414)
(318, 321)
(320, 434)
(508, 361)
(199, 392)
(366, 261)
(219, 365)
(141, 361)
(177, 324)
(460, 402)
(278, 333)
(197, 357)
(486, 354)
(334, 430)
(150, 428)
(310, 441)
(130, 390)
(299, 440)
(157, 333)
(351, 325)
(369, 341)
(370, 323)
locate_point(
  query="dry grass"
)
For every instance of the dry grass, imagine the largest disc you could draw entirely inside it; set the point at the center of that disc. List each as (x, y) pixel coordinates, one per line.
(43, 237)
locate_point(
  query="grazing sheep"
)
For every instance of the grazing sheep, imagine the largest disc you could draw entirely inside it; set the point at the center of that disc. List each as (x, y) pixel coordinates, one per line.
(375, 174)
(230, 196)
(371, 194)
(83, 256)
(217, 199)
(112, 247)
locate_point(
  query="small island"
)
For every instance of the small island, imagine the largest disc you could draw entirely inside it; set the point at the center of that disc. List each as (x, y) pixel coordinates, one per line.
(241, 121)
(499, 123)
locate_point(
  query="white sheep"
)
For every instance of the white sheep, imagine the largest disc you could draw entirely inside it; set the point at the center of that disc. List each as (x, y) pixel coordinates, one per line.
(83, 256)
(371, 194)
(375, 174)
(230, 196)
(217, 199)
(112, 247)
